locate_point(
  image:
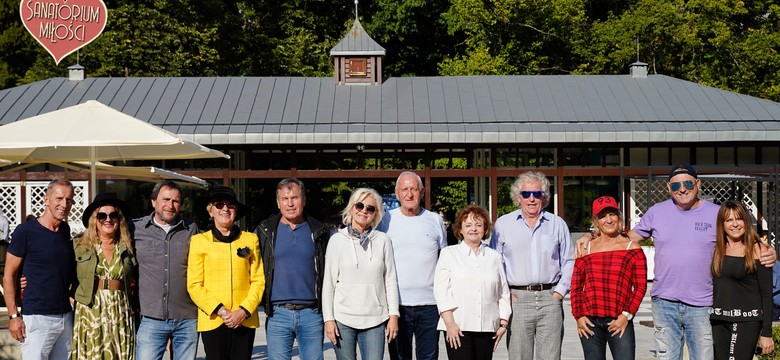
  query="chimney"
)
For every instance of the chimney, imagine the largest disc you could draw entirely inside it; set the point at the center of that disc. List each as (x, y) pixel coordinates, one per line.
(638, 70)
(75, 72)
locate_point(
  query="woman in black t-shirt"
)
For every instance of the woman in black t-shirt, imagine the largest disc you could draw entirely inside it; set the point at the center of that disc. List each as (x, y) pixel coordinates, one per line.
(742, 308)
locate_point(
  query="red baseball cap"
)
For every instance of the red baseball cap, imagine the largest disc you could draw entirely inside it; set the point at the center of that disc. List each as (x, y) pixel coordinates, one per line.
(604, 202)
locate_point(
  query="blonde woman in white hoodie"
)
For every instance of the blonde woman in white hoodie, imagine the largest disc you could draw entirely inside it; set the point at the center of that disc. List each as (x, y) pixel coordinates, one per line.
(360, 290)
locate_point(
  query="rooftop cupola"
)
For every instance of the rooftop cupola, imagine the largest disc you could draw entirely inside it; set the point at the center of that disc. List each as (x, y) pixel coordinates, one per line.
(75, 72)
(638, 69)
(357, 58)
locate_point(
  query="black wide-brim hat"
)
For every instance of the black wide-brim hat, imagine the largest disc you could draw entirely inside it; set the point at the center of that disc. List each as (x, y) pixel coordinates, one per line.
(102, 200)
(224, 192)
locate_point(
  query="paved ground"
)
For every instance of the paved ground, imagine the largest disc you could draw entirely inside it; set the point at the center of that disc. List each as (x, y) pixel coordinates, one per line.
(571, 344)
(9, 349)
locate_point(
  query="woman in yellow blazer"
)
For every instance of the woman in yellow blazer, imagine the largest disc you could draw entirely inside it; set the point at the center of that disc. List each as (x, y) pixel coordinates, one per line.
(225, 280)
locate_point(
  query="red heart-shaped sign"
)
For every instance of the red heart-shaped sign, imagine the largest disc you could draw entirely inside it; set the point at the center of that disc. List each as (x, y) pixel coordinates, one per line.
(63, 26)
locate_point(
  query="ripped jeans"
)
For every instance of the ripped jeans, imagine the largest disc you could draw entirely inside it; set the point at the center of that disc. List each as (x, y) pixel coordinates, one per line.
(675, 321)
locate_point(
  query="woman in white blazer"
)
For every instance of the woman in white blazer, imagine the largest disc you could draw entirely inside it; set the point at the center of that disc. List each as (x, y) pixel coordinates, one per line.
(471, 290)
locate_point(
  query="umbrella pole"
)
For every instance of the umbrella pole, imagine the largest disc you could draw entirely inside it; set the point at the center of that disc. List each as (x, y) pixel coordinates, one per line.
(93, 173)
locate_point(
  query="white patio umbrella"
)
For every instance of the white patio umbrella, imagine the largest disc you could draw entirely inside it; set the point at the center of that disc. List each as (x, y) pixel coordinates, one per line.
(140, 173)
(93, 132)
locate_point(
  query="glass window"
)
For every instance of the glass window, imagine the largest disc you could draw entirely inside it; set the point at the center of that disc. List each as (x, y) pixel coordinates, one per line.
(574, 157)
(579, 193)
(726, 156)
(591, 156)
(681, 155)
(357, 67)
(770, 155)
(705, 156)
(612, 157)
(637, 157)
(659, 156)
(747, 155)
(546, 158)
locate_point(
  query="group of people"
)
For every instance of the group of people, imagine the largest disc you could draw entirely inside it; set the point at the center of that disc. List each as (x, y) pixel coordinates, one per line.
(386, 278)
(713, 278)
(128, 279)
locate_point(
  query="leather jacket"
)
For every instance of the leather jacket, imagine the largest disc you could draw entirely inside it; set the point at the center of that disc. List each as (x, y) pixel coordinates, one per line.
(266, 232)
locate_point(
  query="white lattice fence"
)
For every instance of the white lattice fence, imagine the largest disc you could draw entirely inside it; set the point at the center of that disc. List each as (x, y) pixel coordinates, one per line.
(11, 201)
(772, 194)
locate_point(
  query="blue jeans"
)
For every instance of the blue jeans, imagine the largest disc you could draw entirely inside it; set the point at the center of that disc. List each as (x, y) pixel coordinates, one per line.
(371, 342)
(153, 335)
(285, 326)
(48, 336)
(595, 346)
(675, 321)
(419, 322)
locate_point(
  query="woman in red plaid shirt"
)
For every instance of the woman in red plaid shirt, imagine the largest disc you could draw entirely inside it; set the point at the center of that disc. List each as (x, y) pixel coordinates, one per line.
(607, 286)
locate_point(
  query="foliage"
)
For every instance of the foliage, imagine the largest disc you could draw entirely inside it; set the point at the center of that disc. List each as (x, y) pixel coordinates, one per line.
(519, 36)
(504, 198)
(727, 44)
(17, 47)
(776, 338)
(413, 34)
(450, 196)
(730, 44)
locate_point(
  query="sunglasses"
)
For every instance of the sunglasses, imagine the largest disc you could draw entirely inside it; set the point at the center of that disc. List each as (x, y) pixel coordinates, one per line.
(101, 216)
(675, 186)
(221, 204)
(359, 206)
(536, 193)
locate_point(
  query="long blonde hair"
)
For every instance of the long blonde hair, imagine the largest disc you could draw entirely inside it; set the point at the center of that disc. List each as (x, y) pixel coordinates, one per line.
(90, 238)
(750, 238)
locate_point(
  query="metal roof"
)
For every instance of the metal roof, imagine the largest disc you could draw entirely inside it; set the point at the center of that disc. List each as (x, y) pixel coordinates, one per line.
(357, 42)
(455, 110)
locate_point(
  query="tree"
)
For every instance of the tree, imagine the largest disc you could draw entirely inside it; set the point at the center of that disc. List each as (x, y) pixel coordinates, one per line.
(17, 47)
(413, 33)
(141, 41)
(727, 44)
(515, 36)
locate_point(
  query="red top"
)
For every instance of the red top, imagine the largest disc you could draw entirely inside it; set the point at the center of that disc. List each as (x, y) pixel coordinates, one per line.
(607, 283)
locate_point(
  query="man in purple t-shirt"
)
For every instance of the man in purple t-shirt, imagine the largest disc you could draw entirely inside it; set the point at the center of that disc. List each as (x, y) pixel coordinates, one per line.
(683, 231)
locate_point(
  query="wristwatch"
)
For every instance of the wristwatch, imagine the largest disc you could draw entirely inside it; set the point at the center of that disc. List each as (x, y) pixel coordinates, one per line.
(504, 325)
(14, 316)
(627, 315)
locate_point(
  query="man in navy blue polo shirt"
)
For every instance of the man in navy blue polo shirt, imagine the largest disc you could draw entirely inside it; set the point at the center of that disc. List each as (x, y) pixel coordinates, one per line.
(293, 249)
(42, 250)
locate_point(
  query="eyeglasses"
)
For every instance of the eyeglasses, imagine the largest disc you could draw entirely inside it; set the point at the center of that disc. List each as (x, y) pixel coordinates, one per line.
(359, 206)
(221, 204)
(675, 186)
(536, 193)
(101, 216)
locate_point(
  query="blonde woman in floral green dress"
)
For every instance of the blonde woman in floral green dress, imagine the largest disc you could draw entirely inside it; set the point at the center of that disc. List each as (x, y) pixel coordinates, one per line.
(105, 264)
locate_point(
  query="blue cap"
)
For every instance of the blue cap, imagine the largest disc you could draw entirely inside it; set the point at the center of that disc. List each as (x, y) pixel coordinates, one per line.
(683, 169)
